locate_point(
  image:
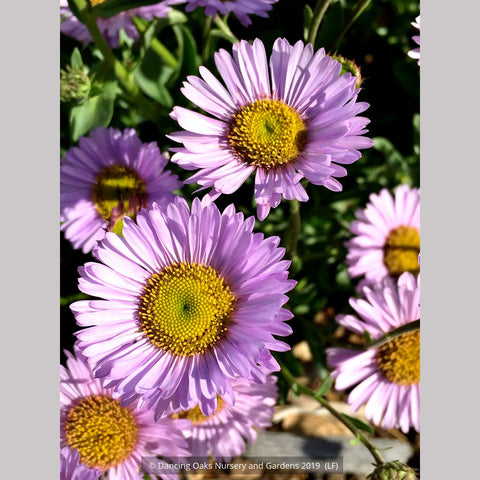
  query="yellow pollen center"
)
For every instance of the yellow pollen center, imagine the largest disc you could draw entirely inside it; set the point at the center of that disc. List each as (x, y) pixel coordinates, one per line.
(399, 359)
(115, 184)
(103, 432)
(267, 133)
(93, 3)
(196, 416)
(185, 308)
(401, 249)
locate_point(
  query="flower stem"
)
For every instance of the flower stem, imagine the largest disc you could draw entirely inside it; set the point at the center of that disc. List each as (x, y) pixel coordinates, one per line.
(408, 327)
(361, 6)
(318, 14)
(162, 51)
(222, 25)
(325, 403)
(293, 229)
(123, 76)
(207, 25)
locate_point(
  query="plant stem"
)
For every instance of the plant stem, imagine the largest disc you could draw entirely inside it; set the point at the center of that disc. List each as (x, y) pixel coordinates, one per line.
(123, 76)
(162, 51)
(361, 6)
(221, 24)
(409, 327)
(318, 14)
(293, 229)
(369, 445)
(207, 25)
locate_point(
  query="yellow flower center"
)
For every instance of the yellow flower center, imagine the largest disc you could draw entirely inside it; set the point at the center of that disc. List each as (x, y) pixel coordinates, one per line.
(93, 3)
(196, 416)
(114, 184)
(185, 308)
(399, 359)
(267, 133)
(401, 249)
(103, 432)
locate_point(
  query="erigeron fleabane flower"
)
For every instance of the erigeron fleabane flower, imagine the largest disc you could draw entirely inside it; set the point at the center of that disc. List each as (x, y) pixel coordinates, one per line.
(297, 119)
(105, 437)
(386, 378)
(191, 298)
(241, 8)
(110, 26)
(415, 52)
(110, 174)
(227, 432)
(386, 235)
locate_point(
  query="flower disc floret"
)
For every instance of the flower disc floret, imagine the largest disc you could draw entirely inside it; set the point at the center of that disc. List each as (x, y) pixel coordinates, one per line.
(103, 432)
(185, 309)
(399, 359)
(114, 183)
(401, 250)
(267, 133)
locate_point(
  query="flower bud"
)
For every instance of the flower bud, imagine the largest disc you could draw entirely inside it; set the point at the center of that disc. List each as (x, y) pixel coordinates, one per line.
(74, 85)
(351, 67)
(393, 471)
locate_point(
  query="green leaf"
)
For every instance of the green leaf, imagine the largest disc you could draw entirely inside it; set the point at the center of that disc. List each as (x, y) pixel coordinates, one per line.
(109, 8)
(325, 387)
(152, 75)
(188, 58)
(95, 112)
(76, 59)
(358, 423)
(355, 441)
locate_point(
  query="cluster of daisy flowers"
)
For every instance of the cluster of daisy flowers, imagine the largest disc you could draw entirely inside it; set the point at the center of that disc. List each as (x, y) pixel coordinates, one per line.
(185, 302)
(385, 252)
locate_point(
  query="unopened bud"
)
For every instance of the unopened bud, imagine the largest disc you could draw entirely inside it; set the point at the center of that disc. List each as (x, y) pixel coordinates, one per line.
(74, 85)
(349, 66)
(393, 471)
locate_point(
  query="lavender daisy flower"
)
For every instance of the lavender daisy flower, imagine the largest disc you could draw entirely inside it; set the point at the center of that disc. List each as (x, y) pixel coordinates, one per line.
(110, 27)
(415, 52)
(224, 434)
(104, 436)
(109, 175)
(296, 120)
(241, 8)
(387, 235)
(72, 469)
(191, 299)
(387, 378)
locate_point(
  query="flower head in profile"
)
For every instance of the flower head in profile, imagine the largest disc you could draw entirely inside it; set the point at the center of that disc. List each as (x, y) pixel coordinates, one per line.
(109, 175)
(386, 235)
(227, 432)
(415, 52)
(387, 377)
(101, 436)
(111, 26)
(241, 8)
(292, 118)
(191, 299)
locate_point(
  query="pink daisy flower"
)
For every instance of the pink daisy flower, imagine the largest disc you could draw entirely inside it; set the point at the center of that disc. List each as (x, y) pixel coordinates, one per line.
(191, 300)
(110, 174)
(294, 120)
(72, 469)
(241, 8)
(103, 436)
(387, 235)
(224, 434)
(110, 27)
(387, 377)
(415, 52)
